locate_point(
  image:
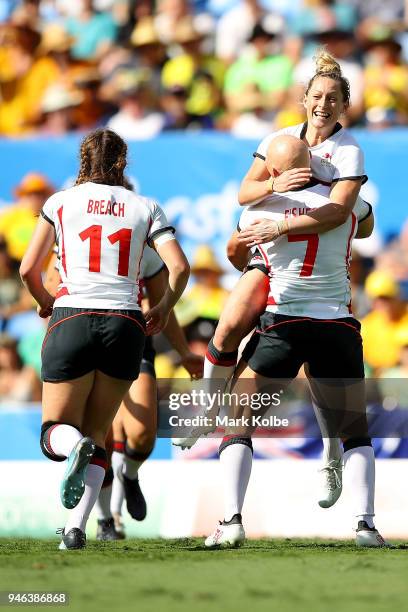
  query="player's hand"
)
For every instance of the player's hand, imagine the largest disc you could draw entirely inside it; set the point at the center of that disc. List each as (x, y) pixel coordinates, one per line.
(260, 231)
(194, 364)
(156, 318)
(45, 310)
(292, 179)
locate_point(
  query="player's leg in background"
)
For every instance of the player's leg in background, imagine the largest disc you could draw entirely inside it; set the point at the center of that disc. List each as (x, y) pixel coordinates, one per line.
(118, 458)
(102, 404)
(140, 425)
(106, 524)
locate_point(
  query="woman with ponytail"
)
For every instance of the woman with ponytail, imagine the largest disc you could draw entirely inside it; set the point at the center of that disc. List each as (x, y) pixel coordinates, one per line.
(336, 159)
(94, 343)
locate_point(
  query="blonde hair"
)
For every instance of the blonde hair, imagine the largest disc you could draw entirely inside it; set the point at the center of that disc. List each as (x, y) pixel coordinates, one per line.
(327, 66)
(326, 62)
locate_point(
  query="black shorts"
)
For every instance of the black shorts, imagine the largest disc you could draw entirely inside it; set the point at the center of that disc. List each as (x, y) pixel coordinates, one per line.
(282, 344)
(149, 354)
(80, 340)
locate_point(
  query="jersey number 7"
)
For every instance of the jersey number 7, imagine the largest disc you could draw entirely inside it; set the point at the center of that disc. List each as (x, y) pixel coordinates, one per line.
(123, 236)
(311, 251)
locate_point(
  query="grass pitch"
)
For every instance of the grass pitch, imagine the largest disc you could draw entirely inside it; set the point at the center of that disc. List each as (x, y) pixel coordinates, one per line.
(180, 575)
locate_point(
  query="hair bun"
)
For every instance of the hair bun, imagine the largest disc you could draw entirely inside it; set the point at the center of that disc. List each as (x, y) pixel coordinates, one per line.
(326, 64)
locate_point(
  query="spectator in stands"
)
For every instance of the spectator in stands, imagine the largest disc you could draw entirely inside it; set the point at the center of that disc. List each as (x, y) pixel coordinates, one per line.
(393, 381)
(206, 298)
(319, 15)
(254, 121)
(385, 81)
(360, 302)
(17, 382)
(56, 45)
(27, 14)
(136, 117)
(195, 70)
(23, 79)
(150, 51)
(265, 67)
(135, 12)
(176, 116)
(381, 327)
(57, 109)
(14, 298)
(234, 28)
(173, 13)
(10, 284)
(92, 111)
(198, 334)
(291, 111)
(94, 31)
(388, 11)
(17, 222)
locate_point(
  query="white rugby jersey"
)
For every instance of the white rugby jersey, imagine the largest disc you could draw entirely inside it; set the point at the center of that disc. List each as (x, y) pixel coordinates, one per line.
(308, 272)
(101, 232)
(338, 158)
(150, 265)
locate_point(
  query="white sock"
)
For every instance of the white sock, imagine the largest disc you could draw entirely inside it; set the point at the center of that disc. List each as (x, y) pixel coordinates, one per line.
(359, 472)
(77, 517)
(236, 463)
(63, 439)
(102, 505)
(218, 372)
(332, 449)
(118, 492)
(131, 467)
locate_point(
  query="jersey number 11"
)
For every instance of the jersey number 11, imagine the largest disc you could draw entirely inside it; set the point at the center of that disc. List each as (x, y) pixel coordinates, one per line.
(123, 236)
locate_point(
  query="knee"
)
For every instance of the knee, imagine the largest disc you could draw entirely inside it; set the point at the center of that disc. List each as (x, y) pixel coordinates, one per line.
(143, 441)
(46, 429)
(228, 330)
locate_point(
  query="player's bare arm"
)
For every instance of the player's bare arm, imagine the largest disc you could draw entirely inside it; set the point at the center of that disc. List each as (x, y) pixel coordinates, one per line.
(52, 276)
(237, 252)
(365, 227)
(32, 265)
(258, 182)
(318, 221)
(179, 270)
(156, 287)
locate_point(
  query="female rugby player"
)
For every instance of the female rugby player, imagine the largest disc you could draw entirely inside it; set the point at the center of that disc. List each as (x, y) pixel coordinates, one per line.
(95, 338)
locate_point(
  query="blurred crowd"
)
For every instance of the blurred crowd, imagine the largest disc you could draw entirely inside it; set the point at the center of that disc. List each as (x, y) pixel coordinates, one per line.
(379, 292)
(144, 67)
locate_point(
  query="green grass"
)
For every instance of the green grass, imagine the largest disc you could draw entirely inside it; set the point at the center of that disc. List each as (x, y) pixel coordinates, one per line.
(180, 575)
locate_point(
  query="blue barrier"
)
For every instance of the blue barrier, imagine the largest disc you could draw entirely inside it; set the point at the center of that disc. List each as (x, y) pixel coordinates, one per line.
(195, 177)
(20, 430)
(20, 435)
